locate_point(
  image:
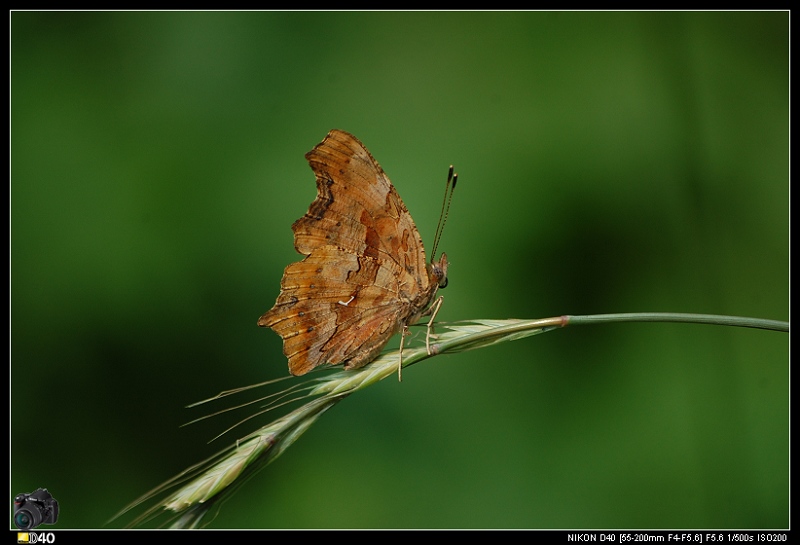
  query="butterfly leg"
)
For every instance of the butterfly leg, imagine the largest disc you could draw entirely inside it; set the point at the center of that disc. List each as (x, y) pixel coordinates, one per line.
(400, 363)
(432, 310)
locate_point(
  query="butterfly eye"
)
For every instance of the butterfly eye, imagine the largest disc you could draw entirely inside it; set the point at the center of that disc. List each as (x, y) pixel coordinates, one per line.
(443, 283)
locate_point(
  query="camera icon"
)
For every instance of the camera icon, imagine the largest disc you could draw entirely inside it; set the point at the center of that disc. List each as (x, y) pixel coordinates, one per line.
(38, 507)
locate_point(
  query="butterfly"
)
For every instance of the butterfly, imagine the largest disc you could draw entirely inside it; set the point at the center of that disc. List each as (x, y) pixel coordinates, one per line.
(364, 276)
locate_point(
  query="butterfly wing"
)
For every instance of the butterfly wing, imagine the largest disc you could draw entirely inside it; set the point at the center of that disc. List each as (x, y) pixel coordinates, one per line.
(358, 209)
(364, 273)
(335, 307)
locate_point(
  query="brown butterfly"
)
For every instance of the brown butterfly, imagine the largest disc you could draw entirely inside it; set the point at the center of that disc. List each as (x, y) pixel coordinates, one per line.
(364, 276)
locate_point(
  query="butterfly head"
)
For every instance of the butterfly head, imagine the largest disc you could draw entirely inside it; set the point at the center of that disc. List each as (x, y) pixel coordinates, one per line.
(437, 271)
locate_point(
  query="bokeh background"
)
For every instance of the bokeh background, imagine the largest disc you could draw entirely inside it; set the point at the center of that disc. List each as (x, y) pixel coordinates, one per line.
(608, 162)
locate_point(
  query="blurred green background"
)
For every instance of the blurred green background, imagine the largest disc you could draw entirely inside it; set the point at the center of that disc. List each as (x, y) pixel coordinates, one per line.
(608, 162)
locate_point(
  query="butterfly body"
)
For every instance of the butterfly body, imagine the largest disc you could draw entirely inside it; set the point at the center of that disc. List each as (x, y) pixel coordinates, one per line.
(364, 276)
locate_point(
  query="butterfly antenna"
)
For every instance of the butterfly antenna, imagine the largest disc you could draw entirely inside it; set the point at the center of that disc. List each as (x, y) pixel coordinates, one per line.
(448, 196)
